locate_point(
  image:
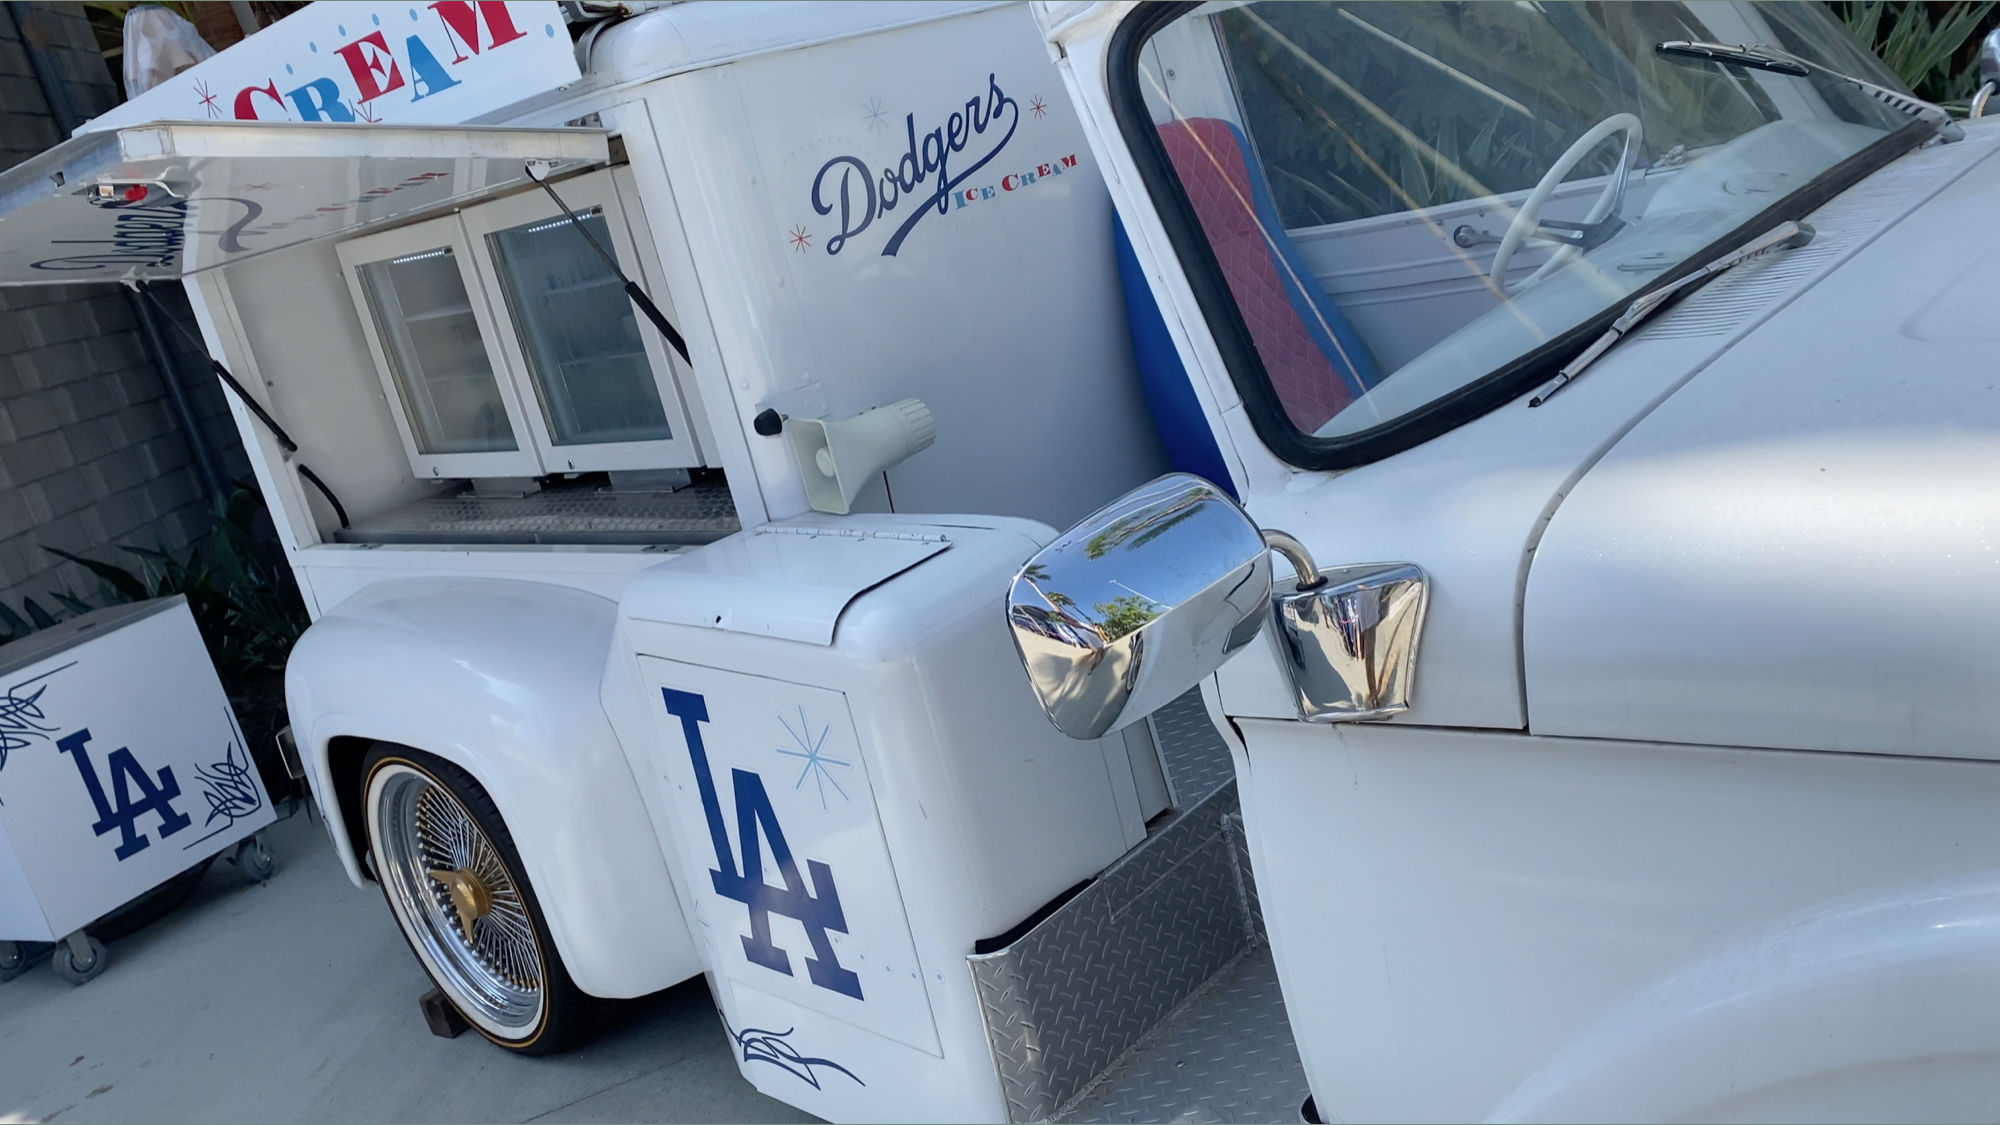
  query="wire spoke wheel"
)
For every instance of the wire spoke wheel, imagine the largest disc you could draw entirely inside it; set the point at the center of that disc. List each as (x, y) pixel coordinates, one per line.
(457, 901)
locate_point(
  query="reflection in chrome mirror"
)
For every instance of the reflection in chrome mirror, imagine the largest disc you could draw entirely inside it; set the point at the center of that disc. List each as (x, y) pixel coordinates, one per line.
(1138, 603)
(1989, 72)
(1350, 640)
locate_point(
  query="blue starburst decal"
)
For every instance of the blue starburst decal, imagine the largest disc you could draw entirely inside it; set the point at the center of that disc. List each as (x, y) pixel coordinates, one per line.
(810, 747)
(872, 112)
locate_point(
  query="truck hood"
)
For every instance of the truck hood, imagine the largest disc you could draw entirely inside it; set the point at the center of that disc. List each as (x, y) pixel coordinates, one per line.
(1800, 547)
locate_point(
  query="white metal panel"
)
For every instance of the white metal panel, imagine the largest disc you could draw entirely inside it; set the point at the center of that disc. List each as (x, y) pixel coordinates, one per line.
(820, 563)
(122, 763)
(314, 373)
(370, 62)
(1483, 926)
(680, 37)
(1798, 548)
(1001, 311)
(804, 856)
(189, 197)
(338, 571)
(956, 749)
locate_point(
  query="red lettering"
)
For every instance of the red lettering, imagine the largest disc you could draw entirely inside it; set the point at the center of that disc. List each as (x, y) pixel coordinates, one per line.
(246, 110)
(1069, 161)
(375, 73)
(461, 23)
(1007, 182)
(1041, 170)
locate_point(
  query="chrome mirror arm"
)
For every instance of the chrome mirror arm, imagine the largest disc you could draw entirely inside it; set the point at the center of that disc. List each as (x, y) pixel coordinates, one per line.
(1989, 73)
(1294, 552)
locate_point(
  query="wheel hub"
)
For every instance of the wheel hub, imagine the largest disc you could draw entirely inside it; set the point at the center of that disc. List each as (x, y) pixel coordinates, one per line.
(469, 896)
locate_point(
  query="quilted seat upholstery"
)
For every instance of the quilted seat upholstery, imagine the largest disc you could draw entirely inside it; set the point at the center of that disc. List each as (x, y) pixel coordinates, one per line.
(1314, 359)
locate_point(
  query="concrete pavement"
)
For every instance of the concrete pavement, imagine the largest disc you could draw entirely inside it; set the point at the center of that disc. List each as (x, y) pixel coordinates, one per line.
(297, 1001)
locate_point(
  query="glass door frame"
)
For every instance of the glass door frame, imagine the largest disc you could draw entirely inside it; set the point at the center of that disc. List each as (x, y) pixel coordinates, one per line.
(582, 193)
(445, 232)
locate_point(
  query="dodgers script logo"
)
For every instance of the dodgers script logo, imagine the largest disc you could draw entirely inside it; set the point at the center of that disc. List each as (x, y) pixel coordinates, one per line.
(924, 177)
(816, 907)
(150, 235)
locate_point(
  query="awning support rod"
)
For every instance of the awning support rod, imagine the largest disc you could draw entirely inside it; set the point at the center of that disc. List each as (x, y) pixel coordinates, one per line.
(632, 289)
(284, 439)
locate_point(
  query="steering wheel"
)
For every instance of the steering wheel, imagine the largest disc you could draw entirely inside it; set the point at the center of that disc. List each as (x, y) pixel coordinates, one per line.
(1606, 207)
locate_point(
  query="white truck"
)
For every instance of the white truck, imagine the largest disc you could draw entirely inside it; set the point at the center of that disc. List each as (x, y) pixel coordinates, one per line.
(667, 410)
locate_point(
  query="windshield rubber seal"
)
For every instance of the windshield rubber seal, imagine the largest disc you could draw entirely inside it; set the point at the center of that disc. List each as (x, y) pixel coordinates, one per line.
(1517, 377)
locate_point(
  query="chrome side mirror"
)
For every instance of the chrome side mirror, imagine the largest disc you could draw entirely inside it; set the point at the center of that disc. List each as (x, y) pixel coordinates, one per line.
(1151, 593)
(1138, 603)
(1989, 73)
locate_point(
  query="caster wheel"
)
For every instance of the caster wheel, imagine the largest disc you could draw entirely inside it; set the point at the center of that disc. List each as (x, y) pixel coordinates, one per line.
(13, 960)
(67, 967)
(254, 859)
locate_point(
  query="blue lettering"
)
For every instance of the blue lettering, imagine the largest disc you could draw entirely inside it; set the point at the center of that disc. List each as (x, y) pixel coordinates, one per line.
(125, 773)
(857, 206)
(427, 74)
(817, 907)
(319, 100)
(860, 203)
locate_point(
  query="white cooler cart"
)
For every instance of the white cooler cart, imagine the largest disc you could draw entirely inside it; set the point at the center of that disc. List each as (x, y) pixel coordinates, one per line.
(122, 769)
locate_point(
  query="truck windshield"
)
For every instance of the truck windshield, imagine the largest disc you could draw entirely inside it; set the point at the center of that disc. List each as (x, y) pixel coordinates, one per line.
(1394, 212)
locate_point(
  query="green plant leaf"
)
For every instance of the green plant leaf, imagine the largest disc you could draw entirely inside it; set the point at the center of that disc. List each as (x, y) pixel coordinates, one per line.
(37, 614)
(17, 625)
(128, 585)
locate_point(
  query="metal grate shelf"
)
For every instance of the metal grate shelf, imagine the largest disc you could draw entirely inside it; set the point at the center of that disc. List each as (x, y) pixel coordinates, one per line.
(566, 512)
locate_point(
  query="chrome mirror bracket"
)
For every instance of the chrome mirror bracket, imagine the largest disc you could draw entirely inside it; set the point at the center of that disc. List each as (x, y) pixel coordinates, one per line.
(1150, 594)
(1350, 641)
(1989, 73)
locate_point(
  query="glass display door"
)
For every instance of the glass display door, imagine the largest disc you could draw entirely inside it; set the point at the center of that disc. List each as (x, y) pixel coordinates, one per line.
(508, 347)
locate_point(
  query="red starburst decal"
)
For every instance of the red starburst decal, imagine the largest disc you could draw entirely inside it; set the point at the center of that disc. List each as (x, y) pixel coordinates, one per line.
(207, 97)
(800, 240)
(1038, 107)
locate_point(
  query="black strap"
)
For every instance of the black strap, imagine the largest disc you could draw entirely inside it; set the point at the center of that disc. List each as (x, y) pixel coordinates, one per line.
(632, 290)
(255, 407)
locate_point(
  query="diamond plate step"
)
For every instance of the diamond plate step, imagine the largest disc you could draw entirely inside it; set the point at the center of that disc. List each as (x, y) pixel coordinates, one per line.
(1079, 990)
(1225, 1055)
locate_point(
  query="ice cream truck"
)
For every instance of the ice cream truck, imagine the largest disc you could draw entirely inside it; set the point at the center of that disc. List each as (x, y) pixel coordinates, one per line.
(1523, 644)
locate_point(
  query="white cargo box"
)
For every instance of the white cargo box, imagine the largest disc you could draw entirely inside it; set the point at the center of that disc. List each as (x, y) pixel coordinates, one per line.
(121, 766)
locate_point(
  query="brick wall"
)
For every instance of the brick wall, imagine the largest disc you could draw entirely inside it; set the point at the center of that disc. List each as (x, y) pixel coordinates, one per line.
(91, 454)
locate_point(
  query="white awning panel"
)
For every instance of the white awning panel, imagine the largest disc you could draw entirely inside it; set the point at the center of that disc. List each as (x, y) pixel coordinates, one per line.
(171, 199)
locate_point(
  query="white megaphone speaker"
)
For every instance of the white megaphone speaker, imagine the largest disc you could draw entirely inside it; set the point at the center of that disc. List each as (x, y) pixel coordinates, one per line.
(837, 457)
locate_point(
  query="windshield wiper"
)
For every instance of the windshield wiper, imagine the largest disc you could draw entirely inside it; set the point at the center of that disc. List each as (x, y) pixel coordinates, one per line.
(1763, 56)
(1784, 236)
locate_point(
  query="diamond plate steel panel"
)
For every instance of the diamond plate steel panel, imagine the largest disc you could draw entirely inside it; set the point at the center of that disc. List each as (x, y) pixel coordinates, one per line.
(1080, 989)
(1194, 756)
(573, 512)
(1225, 1055)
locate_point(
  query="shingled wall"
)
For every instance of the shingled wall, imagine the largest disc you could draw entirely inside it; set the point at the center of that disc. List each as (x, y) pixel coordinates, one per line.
(91, 454)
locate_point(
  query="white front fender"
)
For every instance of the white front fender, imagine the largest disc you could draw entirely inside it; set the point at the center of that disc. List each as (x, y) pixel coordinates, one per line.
(501, 678)
(1767, 1028)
